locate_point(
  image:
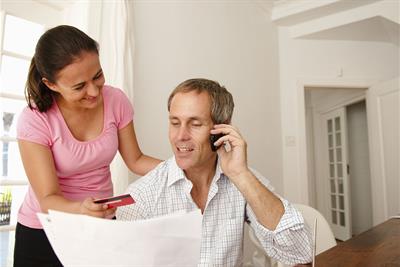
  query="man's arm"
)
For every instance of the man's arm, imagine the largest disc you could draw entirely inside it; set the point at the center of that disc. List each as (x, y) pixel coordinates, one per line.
(267, 207)
(290, 242)
(277, 224)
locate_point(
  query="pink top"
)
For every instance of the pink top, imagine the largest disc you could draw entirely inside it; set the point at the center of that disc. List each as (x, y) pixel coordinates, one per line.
(83, 167)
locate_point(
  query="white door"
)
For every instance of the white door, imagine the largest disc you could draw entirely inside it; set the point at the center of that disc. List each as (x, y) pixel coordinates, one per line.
(336, 178)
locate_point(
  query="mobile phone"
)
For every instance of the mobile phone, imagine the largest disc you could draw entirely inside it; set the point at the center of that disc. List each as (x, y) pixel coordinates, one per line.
(116, 201)
(213, 139)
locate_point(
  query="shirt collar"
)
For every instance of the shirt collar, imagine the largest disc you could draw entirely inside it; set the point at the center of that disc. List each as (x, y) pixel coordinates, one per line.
(175, 173)
(218, 171)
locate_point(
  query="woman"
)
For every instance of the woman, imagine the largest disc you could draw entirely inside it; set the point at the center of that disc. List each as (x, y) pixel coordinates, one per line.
(68, 136)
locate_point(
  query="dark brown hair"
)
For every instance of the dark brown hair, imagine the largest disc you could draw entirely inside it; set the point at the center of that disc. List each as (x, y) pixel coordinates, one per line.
(221, 100)
(56, 48)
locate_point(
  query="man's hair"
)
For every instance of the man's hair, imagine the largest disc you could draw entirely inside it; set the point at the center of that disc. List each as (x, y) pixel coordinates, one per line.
(221, 100)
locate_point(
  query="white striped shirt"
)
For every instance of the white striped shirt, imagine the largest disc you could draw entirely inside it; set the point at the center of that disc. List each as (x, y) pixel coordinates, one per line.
(166, 190)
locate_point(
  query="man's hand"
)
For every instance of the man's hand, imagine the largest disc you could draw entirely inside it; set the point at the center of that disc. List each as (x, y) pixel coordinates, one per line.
(234, 159)
(267, 207)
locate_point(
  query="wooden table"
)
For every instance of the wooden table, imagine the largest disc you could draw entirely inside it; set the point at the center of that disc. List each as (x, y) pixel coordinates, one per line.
(379, 246)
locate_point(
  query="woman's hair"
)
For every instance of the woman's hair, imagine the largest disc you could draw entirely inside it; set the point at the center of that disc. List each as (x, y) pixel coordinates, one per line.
(221, 100)
(56, 48)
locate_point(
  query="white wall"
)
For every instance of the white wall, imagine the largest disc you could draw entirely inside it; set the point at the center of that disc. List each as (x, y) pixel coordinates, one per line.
(33, 11)
(383, 115)
(232, 43)
(318, 62)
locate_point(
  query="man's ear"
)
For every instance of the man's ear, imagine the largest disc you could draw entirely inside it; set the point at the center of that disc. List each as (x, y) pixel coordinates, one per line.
(50, 85)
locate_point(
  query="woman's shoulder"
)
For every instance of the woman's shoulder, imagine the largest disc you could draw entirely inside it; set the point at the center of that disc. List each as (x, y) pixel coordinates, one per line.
(112, 92)
(36, 126)
(117, 102)
(33, 114)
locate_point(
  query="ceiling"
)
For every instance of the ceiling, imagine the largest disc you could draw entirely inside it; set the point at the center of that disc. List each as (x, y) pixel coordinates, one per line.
(375, 29)
(57, 4)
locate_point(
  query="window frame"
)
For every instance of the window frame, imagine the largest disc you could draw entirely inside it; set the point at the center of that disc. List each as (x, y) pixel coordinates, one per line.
(26, 11)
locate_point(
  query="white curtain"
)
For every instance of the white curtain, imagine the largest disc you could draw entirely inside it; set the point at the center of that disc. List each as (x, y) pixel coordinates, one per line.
(111, 24)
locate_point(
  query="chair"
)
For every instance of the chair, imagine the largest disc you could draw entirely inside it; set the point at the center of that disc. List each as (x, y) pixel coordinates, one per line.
(324, 236)
(260, 258)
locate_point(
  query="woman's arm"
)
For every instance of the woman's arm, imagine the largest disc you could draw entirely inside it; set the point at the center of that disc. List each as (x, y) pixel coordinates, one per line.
(40, 169)
(130, 151)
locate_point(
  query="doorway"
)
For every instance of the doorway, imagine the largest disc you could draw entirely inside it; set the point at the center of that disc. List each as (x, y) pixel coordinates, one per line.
(339, 178)
(360, 182)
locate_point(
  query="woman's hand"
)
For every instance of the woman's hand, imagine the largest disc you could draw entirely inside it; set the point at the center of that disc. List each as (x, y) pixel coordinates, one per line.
(88, 207)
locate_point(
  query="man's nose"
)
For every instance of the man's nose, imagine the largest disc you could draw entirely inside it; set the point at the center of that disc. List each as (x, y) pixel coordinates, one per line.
(183, 133)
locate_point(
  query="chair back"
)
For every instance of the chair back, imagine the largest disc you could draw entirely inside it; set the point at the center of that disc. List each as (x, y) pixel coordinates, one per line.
(325, 238)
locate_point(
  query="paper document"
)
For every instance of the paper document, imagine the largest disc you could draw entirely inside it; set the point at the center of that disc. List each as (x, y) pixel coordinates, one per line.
(80, 240)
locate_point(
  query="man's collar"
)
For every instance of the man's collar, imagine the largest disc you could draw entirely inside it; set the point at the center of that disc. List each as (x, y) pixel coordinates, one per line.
(175, 173)
(218, 171)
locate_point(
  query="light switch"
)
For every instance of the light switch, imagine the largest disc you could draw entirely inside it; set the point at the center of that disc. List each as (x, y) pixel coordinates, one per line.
(290, 141)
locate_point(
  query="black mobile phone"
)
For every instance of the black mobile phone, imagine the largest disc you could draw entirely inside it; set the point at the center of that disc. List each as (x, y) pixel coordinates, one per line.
(213, 139)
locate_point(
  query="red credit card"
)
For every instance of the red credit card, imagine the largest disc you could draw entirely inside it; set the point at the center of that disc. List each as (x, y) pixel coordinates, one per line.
(116, 201)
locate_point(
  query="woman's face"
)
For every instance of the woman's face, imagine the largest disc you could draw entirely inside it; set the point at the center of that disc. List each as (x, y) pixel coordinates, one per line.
(80, 83)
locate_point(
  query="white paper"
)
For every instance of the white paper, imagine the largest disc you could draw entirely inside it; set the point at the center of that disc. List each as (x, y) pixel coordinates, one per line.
(79, 240)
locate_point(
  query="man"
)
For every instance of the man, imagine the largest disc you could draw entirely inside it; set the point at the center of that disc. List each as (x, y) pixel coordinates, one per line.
(219, 183)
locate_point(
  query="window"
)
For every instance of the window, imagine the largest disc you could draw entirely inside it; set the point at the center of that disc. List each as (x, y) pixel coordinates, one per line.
(21, 24)
(19, 38)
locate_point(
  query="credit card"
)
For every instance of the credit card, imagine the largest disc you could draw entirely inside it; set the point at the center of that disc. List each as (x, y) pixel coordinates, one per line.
(116, 201)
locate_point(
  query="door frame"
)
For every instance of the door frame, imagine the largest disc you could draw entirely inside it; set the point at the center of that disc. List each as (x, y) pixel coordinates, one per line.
(302, 84)
(320, 162)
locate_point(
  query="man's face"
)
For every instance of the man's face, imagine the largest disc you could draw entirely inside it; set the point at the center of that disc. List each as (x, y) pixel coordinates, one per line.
(189, 130)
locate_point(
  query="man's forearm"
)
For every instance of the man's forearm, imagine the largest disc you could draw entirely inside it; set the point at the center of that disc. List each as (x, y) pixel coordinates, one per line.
(267, 207)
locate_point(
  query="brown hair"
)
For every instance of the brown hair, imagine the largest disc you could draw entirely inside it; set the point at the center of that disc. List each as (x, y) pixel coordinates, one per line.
(221, 100)
(56, 48)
